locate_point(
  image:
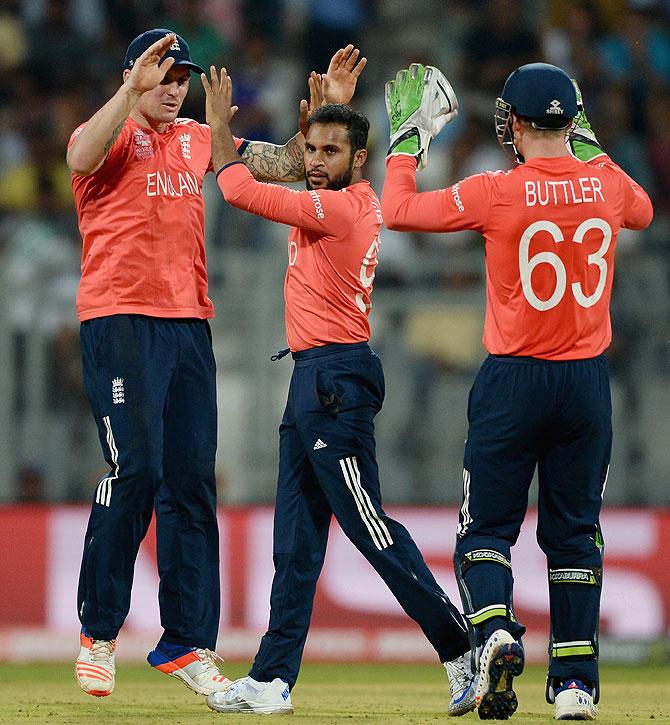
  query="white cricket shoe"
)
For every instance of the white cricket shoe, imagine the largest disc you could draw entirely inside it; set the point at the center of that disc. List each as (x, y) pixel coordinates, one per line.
(574, 701)
(462, 684)
(501, 660)
(94, 668)
(249, 695)
(195, 667)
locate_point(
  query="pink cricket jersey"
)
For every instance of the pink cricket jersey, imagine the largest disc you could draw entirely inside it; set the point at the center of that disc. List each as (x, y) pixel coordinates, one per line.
(550, 228)
(332, 254)
(141, 218)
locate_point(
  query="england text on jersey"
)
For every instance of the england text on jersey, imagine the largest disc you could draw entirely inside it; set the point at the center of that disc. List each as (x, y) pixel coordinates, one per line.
(141, 217)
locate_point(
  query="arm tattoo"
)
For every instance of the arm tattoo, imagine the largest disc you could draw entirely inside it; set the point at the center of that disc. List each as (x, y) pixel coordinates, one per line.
(270, 162)
(114, 136)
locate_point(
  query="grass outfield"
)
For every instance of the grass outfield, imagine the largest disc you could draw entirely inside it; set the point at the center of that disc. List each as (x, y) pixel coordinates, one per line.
(47, 693)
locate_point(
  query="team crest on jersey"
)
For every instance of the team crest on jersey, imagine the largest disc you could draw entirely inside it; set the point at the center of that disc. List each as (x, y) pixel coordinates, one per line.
(143, 147)
(185, 141)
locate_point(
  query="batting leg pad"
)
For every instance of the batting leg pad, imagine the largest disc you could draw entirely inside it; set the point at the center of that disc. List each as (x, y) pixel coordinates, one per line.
(574, 601)
(485, 582)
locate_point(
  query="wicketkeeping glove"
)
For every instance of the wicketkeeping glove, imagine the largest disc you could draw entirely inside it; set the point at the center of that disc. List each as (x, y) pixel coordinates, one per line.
(419, 102)
(582, 141)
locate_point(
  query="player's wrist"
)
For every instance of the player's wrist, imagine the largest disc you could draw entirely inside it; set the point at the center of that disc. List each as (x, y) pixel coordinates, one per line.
(407, 143)
(131, 93)
(219, 125)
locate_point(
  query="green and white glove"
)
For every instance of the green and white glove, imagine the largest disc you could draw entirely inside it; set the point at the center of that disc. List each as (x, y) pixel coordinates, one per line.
(582, 141)
(419, 102)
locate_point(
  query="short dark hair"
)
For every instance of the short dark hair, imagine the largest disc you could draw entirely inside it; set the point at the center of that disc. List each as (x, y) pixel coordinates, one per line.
(356, 123)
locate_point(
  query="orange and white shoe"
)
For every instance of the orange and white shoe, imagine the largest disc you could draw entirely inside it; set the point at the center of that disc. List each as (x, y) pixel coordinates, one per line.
(194, 666)
(95, 668)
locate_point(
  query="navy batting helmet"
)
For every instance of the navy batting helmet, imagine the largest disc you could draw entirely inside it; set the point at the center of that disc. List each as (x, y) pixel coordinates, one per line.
(540, 93)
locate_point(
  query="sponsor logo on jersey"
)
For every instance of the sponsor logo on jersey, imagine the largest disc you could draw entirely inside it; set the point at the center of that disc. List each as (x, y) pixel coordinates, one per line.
(456, 193)
(185, 141)
(377, 210)
(317, 204)
(118, 391)
(163, 183)
(143, 147)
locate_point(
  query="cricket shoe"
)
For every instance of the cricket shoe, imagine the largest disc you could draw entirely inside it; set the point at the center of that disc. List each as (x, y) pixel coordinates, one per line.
(574, 701)
(195, 667)
(94, 668)
(501, 660)
(462, 684)
(249, 695)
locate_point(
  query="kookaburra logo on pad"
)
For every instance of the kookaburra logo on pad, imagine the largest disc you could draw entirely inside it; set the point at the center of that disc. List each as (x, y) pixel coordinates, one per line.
(555, 108)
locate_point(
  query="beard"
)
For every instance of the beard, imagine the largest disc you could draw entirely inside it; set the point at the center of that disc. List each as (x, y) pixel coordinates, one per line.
(336, 183)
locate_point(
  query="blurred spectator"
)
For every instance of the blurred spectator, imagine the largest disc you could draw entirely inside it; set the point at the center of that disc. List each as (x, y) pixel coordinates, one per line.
(30, 484)
(22, 183)
(207, 44)
(13, 38)
(497, 44)
(659, 151)
(258, 91)
(332, 25)
(265, 18)
(128, 18)
(616, 133)
(639, 50)
(56, 50)
(570, 41)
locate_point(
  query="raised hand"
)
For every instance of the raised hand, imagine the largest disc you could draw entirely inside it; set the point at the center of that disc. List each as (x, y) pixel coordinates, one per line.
(419, 102)
(218, 96)
(315, 100)
(147, 71)
(339, 82)
(582, 140)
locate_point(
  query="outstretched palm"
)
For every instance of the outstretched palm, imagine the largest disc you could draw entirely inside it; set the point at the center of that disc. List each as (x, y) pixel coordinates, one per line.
(339, 82)
(148, 71)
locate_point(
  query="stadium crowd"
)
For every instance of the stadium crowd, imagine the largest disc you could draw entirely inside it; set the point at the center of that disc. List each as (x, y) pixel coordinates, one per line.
(59, 63)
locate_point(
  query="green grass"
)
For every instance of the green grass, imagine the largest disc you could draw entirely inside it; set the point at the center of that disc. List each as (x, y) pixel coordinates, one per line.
(412, 694)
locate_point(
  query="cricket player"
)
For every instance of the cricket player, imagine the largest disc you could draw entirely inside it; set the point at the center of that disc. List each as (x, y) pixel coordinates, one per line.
(149, 371)
(327, 463)
(542, 396)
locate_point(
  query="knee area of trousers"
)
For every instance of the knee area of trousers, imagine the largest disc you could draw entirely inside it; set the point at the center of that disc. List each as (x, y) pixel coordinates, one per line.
(143, 468)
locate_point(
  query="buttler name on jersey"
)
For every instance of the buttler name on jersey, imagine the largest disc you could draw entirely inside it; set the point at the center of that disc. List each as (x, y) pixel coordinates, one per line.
(583, 190)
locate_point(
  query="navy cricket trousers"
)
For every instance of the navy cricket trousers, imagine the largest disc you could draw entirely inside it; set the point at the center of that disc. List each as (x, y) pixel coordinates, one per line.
(327, 466)
(556, 415)
(151, 383)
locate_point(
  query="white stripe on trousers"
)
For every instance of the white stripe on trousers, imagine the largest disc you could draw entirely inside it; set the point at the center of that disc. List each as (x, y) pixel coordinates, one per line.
(465, 508)
(103, 494)
(377, 528)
